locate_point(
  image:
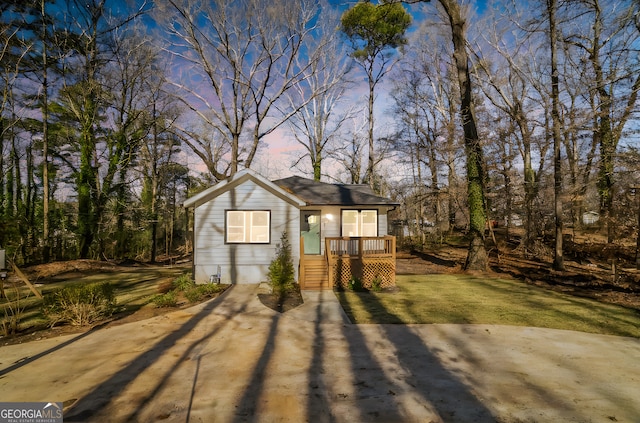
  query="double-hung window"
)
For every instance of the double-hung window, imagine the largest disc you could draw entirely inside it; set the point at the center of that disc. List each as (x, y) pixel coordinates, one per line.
(359, 223)
(248, 226)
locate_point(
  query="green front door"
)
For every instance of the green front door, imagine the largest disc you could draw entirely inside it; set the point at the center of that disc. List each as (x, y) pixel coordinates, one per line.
(310, 231)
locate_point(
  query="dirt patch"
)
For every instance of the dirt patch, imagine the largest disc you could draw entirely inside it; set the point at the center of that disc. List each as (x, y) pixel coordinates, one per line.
(292, 300)
(61, 270)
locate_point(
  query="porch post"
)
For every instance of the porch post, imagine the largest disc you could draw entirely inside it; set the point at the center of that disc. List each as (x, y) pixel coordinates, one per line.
(301, 265)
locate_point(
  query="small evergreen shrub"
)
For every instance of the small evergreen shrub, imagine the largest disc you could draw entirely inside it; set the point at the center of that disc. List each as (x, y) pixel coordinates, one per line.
(376, 284)
(355, 284)
(281, 270)
(79, 304)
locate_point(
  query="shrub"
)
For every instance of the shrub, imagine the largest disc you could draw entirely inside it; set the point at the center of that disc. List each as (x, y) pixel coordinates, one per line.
(193, 295)
(79, 304)
(183, 283)
(355, 284)
(281, 270)
(199, 292)
(192, 292)
(168, 299)
(376, 284)
(13, 309)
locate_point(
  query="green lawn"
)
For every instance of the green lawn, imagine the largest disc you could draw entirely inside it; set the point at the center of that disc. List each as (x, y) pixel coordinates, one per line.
(465, 299)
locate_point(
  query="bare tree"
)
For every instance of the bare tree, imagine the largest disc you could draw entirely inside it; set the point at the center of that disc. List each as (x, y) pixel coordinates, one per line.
(349, 154)
(133, 78)
(477, 258)
(157, 156)
(234, 62)
(558, 254)
(322, 92)
(425, 106)
(510, 76)
(605, 42)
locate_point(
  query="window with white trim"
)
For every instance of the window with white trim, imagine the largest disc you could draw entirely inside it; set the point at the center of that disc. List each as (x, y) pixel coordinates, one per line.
(359, 223)
(248, 226)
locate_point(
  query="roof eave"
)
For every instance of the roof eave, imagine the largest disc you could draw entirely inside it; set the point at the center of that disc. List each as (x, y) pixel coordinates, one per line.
(238, 178)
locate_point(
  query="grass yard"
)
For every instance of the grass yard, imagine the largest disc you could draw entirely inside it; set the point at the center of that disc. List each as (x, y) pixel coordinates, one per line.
(462, 299)
(134, 288)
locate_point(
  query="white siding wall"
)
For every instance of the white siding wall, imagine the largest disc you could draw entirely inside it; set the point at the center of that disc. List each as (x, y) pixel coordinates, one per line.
(242, 263)
(383, 227)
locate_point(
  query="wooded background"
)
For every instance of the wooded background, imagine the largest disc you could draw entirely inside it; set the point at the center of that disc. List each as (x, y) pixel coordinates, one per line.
(114, 112)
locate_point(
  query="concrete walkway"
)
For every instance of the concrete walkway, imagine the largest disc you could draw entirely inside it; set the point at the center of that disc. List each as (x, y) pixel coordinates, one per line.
(234, 360)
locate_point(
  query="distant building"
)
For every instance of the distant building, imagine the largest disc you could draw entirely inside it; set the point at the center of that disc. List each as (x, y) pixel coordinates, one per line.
(590, 218)
(516, 220)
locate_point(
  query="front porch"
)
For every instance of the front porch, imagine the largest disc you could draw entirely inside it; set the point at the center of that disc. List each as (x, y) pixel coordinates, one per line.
(365, 258)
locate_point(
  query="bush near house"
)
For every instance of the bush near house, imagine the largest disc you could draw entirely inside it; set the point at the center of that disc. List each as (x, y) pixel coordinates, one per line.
(168, 299)
(184, 285)
(281, 270)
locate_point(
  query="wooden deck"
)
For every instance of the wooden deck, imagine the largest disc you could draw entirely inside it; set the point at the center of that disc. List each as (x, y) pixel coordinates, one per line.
(369, 259)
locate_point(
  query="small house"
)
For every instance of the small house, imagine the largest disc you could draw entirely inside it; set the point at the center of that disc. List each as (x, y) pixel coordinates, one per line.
(337, 231)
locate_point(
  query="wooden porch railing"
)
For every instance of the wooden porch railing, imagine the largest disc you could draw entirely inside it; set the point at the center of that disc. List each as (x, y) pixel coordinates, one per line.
(365, 258)
(361, 247)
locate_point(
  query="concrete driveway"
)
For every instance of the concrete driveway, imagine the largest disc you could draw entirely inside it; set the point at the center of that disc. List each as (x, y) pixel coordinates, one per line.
(234, 360)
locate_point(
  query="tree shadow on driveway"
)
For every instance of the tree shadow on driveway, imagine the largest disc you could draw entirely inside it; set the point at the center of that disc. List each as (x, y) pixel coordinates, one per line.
(417, 383)
(95, 402)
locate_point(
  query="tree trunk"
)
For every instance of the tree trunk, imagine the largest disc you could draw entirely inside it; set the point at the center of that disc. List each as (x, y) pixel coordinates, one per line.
(370, 174)
(46, 237)
(3, 185)
(558, 259)
(604, 129)
(477, 258)
(85, 183)
(530, 192)
(317, 165)
(154, 207)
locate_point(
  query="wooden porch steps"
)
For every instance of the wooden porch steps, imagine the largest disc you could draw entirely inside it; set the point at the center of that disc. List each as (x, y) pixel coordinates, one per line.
(314, 273)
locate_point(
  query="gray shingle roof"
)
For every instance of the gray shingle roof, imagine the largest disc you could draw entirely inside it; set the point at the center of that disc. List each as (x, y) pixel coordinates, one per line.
(320, 193)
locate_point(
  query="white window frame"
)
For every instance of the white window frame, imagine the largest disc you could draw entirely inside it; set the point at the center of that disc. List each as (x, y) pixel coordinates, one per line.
(253, 229)
(360, 228)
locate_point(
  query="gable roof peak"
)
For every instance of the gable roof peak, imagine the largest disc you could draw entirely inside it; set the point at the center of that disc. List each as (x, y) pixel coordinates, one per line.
(236, 179)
